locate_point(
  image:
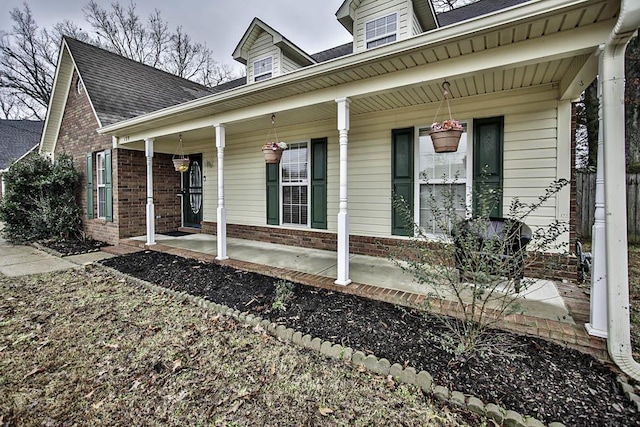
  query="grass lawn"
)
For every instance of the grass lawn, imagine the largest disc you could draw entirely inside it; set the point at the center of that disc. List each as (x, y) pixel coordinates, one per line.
(82, 348)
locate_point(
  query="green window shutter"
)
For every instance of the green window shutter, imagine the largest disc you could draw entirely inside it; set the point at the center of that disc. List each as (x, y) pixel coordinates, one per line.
(108, 187)
(402, 179)
(273, 194)
(488, 149)
(89, 186)
(319, 183)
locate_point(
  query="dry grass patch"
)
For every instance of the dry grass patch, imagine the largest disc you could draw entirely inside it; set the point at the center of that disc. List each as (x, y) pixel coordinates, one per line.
(81, 348)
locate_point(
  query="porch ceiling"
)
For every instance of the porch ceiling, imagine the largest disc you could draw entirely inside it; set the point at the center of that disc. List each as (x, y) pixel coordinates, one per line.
(551, 67)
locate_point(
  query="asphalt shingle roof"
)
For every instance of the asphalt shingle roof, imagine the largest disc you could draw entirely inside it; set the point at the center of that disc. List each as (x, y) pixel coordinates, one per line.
(120, 88)
(473, 10)
(17, 137)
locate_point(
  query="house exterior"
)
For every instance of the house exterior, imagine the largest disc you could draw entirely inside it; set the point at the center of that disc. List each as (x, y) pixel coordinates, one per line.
(356, 120)
(17, 139)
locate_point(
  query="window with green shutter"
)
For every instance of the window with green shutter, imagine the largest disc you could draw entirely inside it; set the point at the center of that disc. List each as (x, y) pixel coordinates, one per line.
(488, 141)
(402, 178)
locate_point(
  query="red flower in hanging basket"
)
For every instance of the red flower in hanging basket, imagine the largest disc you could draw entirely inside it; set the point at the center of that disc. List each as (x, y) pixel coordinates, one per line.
(275, 146)
(446, 125)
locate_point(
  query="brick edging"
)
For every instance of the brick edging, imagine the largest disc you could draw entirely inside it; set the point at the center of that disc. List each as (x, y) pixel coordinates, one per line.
(371, 363)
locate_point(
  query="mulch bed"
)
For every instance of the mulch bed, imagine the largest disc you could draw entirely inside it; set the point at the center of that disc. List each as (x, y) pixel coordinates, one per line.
(73, 247)
(539, 379)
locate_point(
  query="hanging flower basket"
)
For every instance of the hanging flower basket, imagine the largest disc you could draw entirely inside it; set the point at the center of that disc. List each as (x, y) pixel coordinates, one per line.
(272, 150)
(446, 136)
(181, 164)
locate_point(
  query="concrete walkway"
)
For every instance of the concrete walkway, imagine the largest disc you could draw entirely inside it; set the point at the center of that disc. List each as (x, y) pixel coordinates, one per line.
(19, 260)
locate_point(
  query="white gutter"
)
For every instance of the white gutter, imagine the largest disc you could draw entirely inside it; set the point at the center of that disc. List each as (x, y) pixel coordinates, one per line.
(613, 122)
(438, 36)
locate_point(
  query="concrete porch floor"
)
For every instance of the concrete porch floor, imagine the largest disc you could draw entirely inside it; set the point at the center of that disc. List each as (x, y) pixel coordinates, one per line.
(545, 309)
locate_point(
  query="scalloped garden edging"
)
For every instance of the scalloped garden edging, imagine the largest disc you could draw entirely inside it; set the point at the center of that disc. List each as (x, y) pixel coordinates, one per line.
(371, 363)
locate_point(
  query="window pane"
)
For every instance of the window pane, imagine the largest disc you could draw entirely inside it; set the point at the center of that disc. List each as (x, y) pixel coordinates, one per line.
(295, 204)
(442, 165)
(101, 202)
(435, 217)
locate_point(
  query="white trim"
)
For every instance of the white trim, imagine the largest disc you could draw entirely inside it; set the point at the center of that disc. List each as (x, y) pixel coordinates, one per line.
(376, 37)
(265, 75)
(296, 184)
(100, 183)
(418, 181)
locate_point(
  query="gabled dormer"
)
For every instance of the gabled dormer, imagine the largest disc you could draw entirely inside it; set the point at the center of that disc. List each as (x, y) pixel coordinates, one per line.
(374, 23)
(266, 53)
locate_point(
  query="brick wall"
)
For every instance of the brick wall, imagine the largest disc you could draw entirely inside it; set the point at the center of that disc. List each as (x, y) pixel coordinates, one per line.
(78, 137)
(131, 198)
(573, 194)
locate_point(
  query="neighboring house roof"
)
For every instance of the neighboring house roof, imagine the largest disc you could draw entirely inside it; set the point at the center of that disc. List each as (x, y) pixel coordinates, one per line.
(257, 26)
(120, 88)
(17, 138)
(473, 10)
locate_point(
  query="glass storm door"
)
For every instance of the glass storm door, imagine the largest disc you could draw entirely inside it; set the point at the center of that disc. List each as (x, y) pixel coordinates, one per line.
(192, 194)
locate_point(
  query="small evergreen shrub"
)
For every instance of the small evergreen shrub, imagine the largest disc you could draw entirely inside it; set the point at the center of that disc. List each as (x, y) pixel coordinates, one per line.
(40, 200)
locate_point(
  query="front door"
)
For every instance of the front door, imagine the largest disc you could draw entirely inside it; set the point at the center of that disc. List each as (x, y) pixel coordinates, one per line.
(192, 193)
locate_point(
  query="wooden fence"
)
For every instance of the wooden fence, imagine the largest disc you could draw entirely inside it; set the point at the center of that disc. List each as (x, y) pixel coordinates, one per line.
(586, 200)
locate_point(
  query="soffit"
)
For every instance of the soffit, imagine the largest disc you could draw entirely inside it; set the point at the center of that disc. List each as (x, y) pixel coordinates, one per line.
(543, 71)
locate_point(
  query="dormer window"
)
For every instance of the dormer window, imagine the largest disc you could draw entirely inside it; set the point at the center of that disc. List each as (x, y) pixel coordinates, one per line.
(382, 30)
(263, 69)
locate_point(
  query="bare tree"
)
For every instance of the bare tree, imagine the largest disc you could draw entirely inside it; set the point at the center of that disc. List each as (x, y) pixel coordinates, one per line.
(447, 5)
(27, 64)
(121, 31)
(28, 54)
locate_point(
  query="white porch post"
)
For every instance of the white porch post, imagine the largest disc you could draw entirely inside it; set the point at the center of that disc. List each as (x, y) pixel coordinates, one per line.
(597, 325)
(343, 215)
(221, 221)
(151, 210)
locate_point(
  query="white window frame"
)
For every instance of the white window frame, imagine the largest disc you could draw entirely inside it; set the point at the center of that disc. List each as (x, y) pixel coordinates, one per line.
(419, 180)
(305, 182)
(263, 74)
(378, 37)
(101, 175)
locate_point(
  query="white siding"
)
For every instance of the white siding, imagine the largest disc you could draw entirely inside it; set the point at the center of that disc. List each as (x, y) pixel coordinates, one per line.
(262, 48)
(288, 65)
(530, 145)
(372, 9)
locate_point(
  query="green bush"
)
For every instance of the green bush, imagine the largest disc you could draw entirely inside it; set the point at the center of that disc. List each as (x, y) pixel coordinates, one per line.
(40, 200)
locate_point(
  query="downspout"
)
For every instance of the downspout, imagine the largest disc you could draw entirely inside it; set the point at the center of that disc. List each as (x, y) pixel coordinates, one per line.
(613, 122)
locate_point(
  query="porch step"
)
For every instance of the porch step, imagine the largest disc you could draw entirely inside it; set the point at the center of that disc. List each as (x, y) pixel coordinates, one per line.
(191, 230)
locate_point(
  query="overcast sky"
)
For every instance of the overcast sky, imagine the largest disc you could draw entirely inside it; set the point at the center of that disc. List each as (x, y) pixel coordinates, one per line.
(310, 24)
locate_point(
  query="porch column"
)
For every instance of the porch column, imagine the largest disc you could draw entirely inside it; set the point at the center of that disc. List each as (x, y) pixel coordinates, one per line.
(151, 210)
(221, 221)
(343, 215)
(597, 325)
